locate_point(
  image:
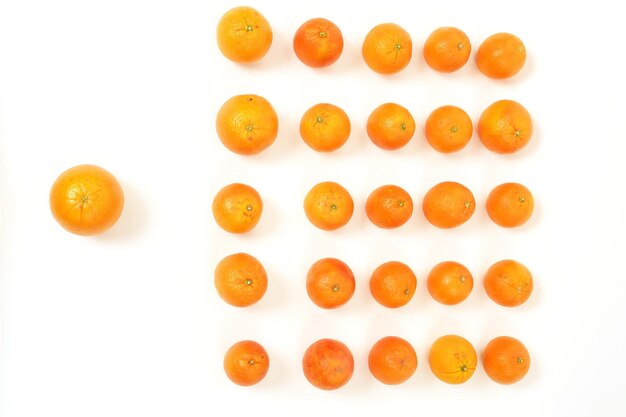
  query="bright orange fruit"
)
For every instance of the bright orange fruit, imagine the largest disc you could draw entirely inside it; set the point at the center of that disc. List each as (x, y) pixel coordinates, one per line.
(389, 206)
(448, 129)
(393, 284)
(448, 204)
(240, 279)
(508, 283)
(325, 127)
(387, 48)
(506, 360)
(505, 127)
(330, 283)
(328, 364)
(237, 208)
(450, 283)
(328, 206)
(452, 359)
(246, 363)
(392, 360)
(390, 126)
(510, 204)
(447, 49)
(501, 56)
(318, 43)
(244, 35)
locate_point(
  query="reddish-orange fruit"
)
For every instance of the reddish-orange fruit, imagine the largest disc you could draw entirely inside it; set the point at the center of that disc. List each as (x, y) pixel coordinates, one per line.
(505, 127)
(450, 282)
(387, 48)
(392, 360)
(390, 126)
(447, 49)
(325, 127)
(328, 206)
(393, 284)
(508, 283)
(389, 206)
(501, 56)
(328, 364)
(86, 200)
(318, 43)
(240, 279)
(452, 359)
(330, 283)
(510, 204)
(244, 35)
(448, 129)
(237, 208)
(448, 204)
(246, 363)
(506, 360)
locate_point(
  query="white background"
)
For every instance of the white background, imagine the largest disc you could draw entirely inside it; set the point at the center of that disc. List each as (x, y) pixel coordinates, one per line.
(129, 323)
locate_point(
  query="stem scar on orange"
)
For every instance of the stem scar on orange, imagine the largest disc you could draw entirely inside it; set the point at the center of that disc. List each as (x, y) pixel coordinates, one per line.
(237, 208)
(240, 279)
(389, 206)
(393, 284)
(506, 360)
(447, 49)
(450, 282)
(325, 127)
(330, 283)
(452, 359)
(387, 48)
(392, 360)
(508, 283)
(318, 43)
(328, 364)
(328, 206)
(448, 204)
(448, 129)
(505, 127)
(501, 56)
(390, 126)
(246, 363)
(510, 204)
(244, 35)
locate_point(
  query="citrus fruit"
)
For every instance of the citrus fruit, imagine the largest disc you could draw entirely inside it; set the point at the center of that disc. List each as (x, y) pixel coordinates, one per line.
(325, 127)
(510, 204)
(450, 282)
(240, 279)
(452, 359)
(393, 284)
(328, 206)
(246, 363)
(318, 43)
(330, 283)
(389, 206)
(392, 360)
(328, 364)
(448, 129)
(505, 127)
(237, 208)
(244, 35)
(387, 48)
(508, 283)
(448, 204)
(447, 49)
(501, 56)
(506, 360)
(390, 126)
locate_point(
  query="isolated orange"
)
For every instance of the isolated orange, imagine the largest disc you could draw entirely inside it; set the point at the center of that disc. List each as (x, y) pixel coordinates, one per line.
(246, 363)
(237, 208)
(328, 364)
(450, 282)
(247, 124)
(505, 127)
(392, 360)
(447, 49)
(318, 43)
(393, 284)
(328, 205)
(244, 35)
(387, 48)
(501, 56)
(452, 359)
(510, 204)
(325, 127)
(330, 283)
(448, 204)
(86, 200)
(240, 279)
(389, 206)
(448, 129)
(390, 126)
(506, 360)
(508, 283)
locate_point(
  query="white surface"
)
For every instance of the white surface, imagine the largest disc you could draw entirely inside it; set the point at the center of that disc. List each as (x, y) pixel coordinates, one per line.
(129, 323)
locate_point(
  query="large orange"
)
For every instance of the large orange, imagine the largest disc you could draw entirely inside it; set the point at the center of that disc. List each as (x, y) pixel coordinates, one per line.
(501, 56)
(237, 208)
(389, 206)
(325, 127)
(506, 360)
(450, 282)
(392, 360)
(393, 284)
(390, 126)
(328, 364)
(330, 283)
(505, 127)
(387, 48)
(447, 49)
(246, 363)
(448, 129)
(240, 279)
(244, 35)
(318, 42)
(448, 204)
(452, 359)
(508, 283)
(328, 205)
(510, 204)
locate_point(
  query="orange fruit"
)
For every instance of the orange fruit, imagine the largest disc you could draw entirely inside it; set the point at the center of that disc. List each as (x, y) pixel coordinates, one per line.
(448, 204)
(452, 359)
(318, 43)
(246, 363)
(393, 284)
(508, 283)
(450, 283)
(328, 206)
(501, 56)
(506, 360)
(392, 360)
(390, 126)
(328, 364)
(244, 35)
(448, 129)
(505, 127)
(240, 279)
(247, 124)
(86, 200)
(447, 49)
(389, 206)
(387, 48)
(510, 204)
(325, 127)
(330, 283)
(237, 208)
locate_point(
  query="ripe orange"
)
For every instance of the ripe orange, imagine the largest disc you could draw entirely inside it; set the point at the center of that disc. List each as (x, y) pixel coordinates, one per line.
(86, 200)
(244, 35)
(393, 284)
(387, 48)
(330, 283)
(318, 43)
(328, 364)
(390, 126)
(392, 360)
(328, 206)
(237, 208)
(505, 127)
(325, 127)
(452, 359)
(246, 363)
(447, 49)
(247, 124)
(240, 279)
(450, 283)
(448, 204)
(508, 283)
(510, 204)
(448, 129)
(389, 206)
(506, 360)
(501, 56)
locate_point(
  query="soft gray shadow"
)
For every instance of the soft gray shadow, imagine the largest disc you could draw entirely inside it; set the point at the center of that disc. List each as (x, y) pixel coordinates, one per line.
(133, 220)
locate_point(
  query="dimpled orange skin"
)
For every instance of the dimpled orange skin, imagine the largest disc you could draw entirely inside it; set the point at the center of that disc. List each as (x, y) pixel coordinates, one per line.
(325, 127)
(318, 43)
(328, 364)
(246, 363)
(247, 124)
(506, 360)
(237, 208)
(392, 360)
(505, 127)
(501, 56)
(389, 206)
(240, 279)
(448, 129)
(448, 204)
(86, 200)
(330, 283)
(244, 35)
(387, 48)
(393, 284)
(447, 49)
(328, 206)
(390, 126)
(450, 283)
(508, 283)
(452, 359)
(510, 204)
